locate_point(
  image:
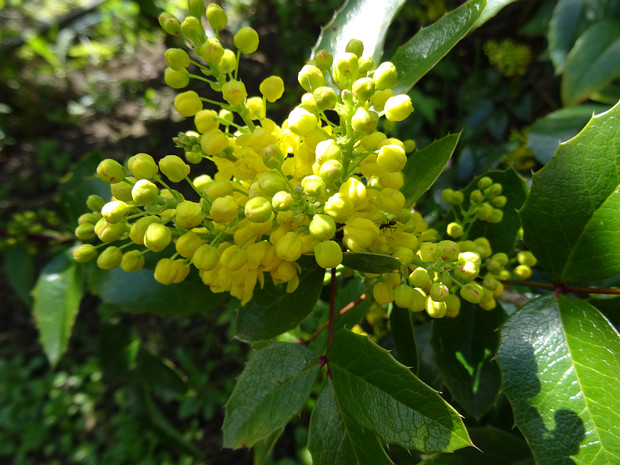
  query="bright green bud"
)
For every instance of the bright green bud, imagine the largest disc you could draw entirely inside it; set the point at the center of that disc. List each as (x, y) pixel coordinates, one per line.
(325, 98)
(476, 197)
(484, 182)
(174, 168)
(483, 247)
(246, 40)
(110, 258)
(188, 103)
(364, 121)
(196, 7)
(484, 211)
(390, 200)
(234, 92)
(346, 69)
(271, 182)
(224, 209)
(499, 201)
(339, 207)
(115, 212)
(404, 295)
(313, 186)
(490, 282)
(144, 192)
(391, 158)
(142, 166)
(85, 232)
(526, 258)
(282, 201)
(428, 252)
(177, 58)
(355, 46)
(165, 271)
(435, 309)
(522, 272)
(398, 108)
(453, 306)
(322, 227)
(310, 78)
(363, 89)
(472, 292)
(273, 157)
(455, 230)
(328, 254)
(493, 190)
(170, 24)
(88, 218)
(448, 250)
(272, 88)
(501, 258)
(188, 243)
(289, 247)
(385, 76)
(107, 232)
(110, 171)
(383, 293)
(331, 171)
(188, 214)
(419, 277)
(85, 253)
(439, 292)
(192, 28)
(176, 79)
(323, 60)
(211, 51)
(496, 216)
(214, 142)
(95, 202)
(217, 17)
(258, 209)
(157, 237)
(301, 121)
(228, 62)
(365, 66)
(132, 261)
(136, 233)
(206, 257)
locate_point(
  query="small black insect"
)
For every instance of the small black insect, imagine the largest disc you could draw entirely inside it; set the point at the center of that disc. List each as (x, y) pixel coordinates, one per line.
(388, 224)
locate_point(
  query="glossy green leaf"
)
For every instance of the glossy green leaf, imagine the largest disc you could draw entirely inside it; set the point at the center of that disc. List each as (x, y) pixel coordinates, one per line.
(271, 390)
(502, 236)
(546, 134)
(403, 334)
(423, 51)
(570, 217)
(493, 447)
(118, 349)
(425, 165)
(273, 311)
(365, 20)
(559, 359)
(593, 63)
(57, 297)
(160, 375)
(139, 292)
(370, 262)
(493, 7)
(19, 270)
(335, 439)
(384, 396)
(464, 349)
(562, 27)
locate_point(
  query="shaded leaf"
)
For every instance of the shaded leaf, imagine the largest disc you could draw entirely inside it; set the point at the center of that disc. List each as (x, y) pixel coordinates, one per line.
(370, 262)
(118, 349)
(335, 439)
(19, 270)
(57, 297)
(570, 217)
(365, 20)
(423, 51)
(562, 27)
(160, 375)
(273, 311)
(559, 359)
(271, 390)
(464, 347)
(384, 396)
(262, 449)
(425, 165)
(593, 63)
(403, 334)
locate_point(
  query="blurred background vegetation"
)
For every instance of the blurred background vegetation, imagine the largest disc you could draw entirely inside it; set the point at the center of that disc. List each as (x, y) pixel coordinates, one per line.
(83, 79)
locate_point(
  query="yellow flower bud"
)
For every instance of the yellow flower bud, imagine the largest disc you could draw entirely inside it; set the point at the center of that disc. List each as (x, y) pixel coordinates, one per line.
(256, 107)
(212, 51)
(328, 254)
(188, 243)
(206, 257)
(136, 233)
(205, 120)
(271, 182)
(322, 227)
(228, 62)
(142, 166)
(108, 232)
(346, 69)
(258, 209)
(165, 271)
(301, 121)
(323, 60)
(174, 168)
(157, 237)
(216, 17)
(272, 88)
(110, 171)
(363, 89)
(224, 209)
(246, 40)
(325, 98)
(188, 103)
(354, 190)
(132, 261)
(391, 158)
(359, 234)
(364, 121)
(435, 309)
(289, 247)
(189, 214)
(380, 97)
(310, 78)
(177, 58)
(398, 108)
(169, 24)
(390, 200)
(110, 258)
(339, 207)
(177, 79)
(115, 211)
(144, 192)
(196, 7)
(214, 142)
(234, 92)
(385, 76)
(85, 253)
(313, 186)
(233, 258)
(404, 295)
(192, 28)
(383, 293)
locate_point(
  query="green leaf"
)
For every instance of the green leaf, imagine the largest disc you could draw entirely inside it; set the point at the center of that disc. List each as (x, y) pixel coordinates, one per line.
(493, 447)
(424, 50)
(57, 297)
(562, 27)
(262, 449)
(425, 165)
(365, 20)
(464, 348)
(139, 292)
(493, 7)
(160, 375)
(559, 359)
(384, 396)
(335, 439)
(19, 270)
(575, 190)
(272, 311)
(370, 262)
(403, 334)
(502, 236)
(593, 63)
(271, 390)
(546, 134)
(118, 349)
